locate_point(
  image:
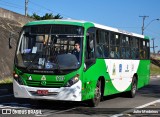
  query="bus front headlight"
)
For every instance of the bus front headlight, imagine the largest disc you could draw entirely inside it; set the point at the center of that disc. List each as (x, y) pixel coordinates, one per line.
(17, 78)
(72, 81)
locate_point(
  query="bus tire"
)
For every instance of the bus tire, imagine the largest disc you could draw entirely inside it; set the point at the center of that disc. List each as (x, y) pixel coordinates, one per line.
(133, 90)
(97, 95)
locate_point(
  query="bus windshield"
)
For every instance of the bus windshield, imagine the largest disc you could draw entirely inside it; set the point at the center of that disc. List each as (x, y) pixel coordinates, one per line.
(49, 47)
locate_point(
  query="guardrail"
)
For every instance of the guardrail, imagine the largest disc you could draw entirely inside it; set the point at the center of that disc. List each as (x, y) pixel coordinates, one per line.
(155, 61)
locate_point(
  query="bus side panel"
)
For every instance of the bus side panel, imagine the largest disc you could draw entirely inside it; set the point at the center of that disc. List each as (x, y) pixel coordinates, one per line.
(104, 68)
(91, 76)
(109, 87)
(143, 73)
(120, 73)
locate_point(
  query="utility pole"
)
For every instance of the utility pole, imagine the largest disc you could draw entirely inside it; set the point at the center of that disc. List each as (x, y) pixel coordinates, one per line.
(26, 7)
(153, 45)
(144, 17)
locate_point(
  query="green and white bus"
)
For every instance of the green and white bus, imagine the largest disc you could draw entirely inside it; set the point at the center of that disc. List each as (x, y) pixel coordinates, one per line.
(110, 61)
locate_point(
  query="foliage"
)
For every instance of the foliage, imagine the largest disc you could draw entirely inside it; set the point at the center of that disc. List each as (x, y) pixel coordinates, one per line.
(155, 70)
(46, 16)
(6, 80)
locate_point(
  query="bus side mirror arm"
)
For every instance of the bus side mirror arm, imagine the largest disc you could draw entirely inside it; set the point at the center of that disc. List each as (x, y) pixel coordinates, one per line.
(10, 38)
(10, 43)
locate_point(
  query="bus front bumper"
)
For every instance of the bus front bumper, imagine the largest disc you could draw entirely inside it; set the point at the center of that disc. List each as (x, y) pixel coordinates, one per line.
(72, 93)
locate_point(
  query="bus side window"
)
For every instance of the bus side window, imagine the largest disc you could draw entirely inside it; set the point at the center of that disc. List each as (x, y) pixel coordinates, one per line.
(123, 53)
(102, 44)
(100, 38)
(142, 49)
(90, 48)
(115, 46)
(106, 46)
(147, 49)
(136, 47)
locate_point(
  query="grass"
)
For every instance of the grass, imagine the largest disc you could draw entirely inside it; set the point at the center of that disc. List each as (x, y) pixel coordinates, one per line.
(6, 80)
(155, 70)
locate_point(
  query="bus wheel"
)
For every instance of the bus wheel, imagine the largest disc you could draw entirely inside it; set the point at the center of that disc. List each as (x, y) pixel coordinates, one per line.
(133, 91)
(97, 95)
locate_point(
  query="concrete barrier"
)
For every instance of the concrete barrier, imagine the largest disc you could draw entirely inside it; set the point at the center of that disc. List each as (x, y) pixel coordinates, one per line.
(14, 16)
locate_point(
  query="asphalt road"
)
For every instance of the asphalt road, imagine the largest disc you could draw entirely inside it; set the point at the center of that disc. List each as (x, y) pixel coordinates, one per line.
(146, 103)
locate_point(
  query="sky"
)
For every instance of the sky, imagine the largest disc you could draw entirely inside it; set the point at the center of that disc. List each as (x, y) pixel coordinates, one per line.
(122, 14)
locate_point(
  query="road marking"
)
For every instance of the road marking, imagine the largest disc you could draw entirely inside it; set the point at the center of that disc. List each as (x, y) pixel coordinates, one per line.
(139, 107)
(158, 76)
(154, 78)
(44, 115)
(56, 112)
(150, 103)
(64, 110)
(6, 95)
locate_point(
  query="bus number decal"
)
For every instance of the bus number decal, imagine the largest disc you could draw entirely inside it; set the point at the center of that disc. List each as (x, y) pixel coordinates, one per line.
(60, 78)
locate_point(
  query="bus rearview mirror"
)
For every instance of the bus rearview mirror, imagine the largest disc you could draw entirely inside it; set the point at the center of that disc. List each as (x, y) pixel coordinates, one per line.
(10, 43)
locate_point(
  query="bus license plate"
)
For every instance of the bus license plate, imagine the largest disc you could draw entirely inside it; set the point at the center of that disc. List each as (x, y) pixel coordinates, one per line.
(42, 92)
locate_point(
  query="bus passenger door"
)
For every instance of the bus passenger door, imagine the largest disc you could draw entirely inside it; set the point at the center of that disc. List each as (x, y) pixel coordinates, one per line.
(89, 66)
(90, 48)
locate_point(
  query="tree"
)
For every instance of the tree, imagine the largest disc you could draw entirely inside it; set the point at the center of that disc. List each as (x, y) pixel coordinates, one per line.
(35, 16)
(46, 16)
(58, 16)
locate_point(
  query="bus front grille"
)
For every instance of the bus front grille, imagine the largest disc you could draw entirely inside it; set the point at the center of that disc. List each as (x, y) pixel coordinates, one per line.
(49, 84)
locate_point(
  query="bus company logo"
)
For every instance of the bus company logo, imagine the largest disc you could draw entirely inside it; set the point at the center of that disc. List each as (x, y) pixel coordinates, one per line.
(120, 67)
(127, 70)
(132, 67)
(114, 69)
(30, 78)
(43, 78)
(43, 83)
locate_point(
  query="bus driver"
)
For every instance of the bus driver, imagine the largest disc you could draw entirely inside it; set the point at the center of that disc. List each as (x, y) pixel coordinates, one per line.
(76, 50)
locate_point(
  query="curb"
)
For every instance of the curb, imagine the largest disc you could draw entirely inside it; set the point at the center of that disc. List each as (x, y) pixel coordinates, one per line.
(157, 76)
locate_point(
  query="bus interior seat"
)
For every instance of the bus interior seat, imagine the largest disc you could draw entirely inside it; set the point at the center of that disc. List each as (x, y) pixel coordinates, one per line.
(112, 54)
(99, 51)
(117, 55)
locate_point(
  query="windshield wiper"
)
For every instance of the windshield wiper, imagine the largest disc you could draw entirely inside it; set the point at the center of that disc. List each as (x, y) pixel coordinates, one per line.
(34, 60)
(52, 50)
(55, 56)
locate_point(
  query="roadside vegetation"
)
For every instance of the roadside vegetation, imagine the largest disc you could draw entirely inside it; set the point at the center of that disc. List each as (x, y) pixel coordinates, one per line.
(155, 70)
(46, 16)
(6, 80)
